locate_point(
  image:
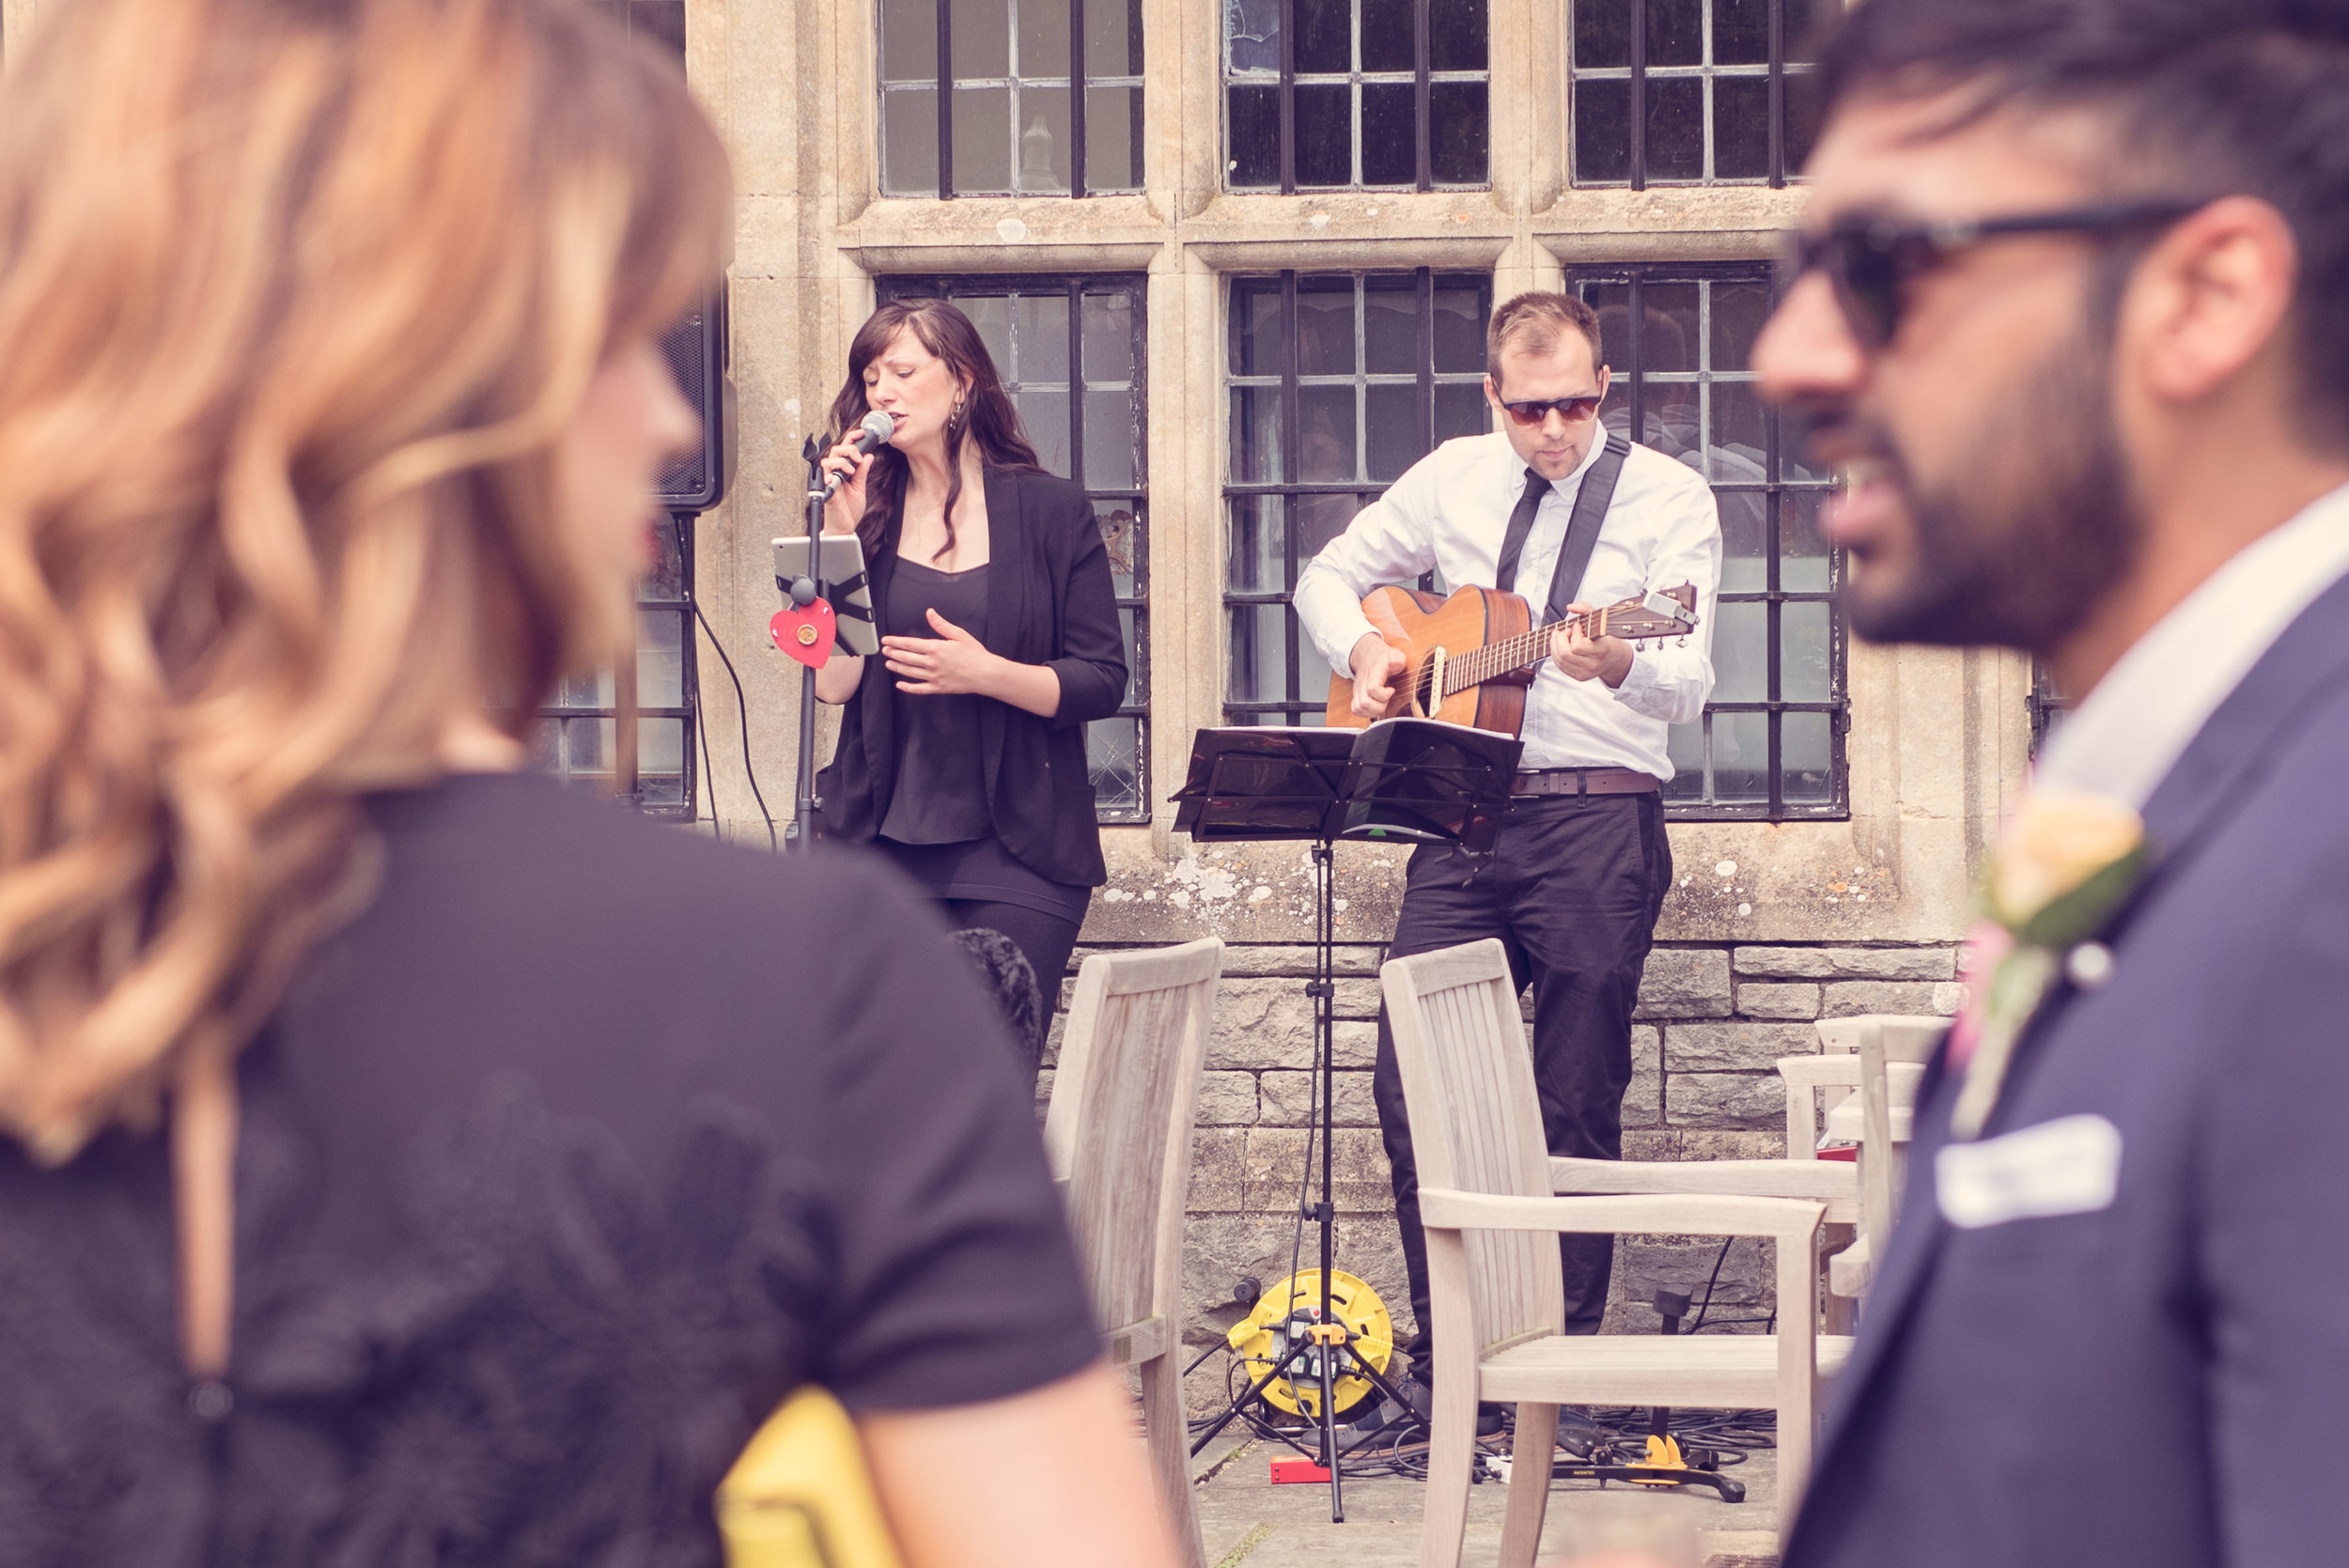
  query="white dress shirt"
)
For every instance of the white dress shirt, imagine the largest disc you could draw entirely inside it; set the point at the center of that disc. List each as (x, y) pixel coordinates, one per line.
(1449, 513)
(2126, 734)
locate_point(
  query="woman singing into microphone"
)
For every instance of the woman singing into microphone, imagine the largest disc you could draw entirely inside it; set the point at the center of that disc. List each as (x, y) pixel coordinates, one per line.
(962, 751)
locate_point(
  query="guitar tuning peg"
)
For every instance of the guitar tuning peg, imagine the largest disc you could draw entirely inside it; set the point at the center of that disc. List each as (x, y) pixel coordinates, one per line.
(1683, 640)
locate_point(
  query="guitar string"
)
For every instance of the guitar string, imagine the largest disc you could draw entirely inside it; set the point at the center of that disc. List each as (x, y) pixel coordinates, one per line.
(1482, 664)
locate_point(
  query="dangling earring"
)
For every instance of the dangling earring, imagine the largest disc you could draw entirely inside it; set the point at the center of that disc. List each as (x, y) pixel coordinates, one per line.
(953, 416)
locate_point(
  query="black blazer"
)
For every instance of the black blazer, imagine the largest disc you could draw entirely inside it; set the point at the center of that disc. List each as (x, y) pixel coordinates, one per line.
(2152, 1374)
(1048, 602)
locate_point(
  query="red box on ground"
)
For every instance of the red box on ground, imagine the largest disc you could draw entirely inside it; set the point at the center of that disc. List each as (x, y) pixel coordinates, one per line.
(1285, 1472)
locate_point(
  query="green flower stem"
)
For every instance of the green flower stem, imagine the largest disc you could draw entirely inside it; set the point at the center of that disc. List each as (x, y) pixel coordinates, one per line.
(2021, 979)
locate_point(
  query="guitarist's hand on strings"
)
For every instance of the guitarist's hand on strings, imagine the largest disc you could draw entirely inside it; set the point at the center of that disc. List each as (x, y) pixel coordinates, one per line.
(1605, 659)
(1377, 667)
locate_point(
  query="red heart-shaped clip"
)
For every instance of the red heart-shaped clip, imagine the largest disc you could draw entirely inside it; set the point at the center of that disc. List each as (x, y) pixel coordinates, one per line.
(807, 635)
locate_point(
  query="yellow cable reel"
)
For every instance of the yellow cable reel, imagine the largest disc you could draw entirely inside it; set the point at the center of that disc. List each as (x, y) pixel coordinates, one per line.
(1291, 1310)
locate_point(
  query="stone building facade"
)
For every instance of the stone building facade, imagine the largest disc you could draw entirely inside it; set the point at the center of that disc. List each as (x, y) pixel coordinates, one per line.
(1238, 190)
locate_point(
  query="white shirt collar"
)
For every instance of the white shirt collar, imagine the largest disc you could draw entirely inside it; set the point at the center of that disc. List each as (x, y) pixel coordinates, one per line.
(2124, 738)
(1563, 489)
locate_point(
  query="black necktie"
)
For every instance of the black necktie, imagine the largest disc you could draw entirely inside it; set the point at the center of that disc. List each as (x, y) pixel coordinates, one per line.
(1520, 524)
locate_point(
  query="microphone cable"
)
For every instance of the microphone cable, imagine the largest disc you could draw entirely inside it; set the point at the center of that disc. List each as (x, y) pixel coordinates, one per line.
(741, 712)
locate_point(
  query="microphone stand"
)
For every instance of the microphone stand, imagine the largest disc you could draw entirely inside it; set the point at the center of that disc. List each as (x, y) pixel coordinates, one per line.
(804, 590)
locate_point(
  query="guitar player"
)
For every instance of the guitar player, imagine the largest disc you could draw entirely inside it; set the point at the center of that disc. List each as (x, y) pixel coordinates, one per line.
(1581, 865)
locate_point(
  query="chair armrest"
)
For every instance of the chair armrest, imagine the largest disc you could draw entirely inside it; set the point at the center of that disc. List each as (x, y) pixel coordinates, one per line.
(1819, 1072)
(1820, 1180)
(1664, 1213)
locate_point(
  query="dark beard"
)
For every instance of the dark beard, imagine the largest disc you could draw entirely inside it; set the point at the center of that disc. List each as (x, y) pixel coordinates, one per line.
(2018, 554)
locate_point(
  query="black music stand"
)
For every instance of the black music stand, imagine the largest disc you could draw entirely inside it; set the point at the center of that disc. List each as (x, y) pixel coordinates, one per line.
(1409, 781)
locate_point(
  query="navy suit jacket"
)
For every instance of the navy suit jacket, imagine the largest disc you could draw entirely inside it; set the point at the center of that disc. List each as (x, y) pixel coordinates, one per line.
(2165, 1380)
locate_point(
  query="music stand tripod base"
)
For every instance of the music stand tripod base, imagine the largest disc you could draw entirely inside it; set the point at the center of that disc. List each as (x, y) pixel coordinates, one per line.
(1401, 780)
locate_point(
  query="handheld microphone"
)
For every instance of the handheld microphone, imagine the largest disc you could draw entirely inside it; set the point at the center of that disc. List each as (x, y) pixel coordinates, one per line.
(871, 434)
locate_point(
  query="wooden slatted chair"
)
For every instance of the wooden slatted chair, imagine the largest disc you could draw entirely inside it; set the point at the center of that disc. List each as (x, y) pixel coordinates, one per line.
(1879, 1058)
(1487, 1203)
(1118, 1132)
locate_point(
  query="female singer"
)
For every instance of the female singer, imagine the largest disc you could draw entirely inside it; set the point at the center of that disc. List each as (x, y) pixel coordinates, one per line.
(962, 751)
(405, 1158)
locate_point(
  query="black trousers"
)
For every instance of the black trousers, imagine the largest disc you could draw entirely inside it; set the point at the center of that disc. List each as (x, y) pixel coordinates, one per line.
(1046, 940)
(1572, 889)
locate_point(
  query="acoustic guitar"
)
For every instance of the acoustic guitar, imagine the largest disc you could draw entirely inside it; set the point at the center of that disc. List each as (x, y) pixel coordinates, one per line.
(1468, 659)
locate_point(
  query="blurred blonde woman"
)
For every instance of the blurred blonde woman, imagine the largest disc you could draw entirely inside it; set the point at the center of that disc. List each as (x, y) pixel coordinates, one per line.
(411, 1161)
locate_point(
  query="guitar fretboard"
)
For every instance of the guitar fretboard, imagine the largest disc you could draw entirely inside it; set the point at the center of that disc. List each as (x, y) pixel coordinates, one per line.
(1479, 665)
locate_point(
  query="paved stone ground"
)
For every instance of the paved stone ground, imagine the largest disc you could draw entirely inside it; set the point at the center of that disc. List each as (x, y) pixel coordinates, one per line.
(1250, 1523)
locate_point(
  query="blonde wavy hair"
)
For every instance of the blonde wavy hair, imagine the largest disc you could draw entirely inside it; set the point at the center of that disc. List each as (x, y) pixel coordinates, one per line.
(296, 297)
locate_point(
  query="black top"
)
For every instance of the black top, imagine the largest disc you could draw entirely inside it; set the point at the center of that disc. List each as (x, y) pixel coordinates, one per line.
(940, 796)
(559, 1169)
(1050, 600)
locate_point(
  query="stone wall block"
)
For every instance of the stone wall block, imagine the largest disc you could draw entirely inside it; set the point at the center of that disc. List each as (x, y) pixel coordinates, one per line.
(1286, 1099)
(1643, 1265)
(1739, 1046)
(1652, 1142)
(1275, 1168)
(1726, 1100)
(1354, 1043)
(1671, 1143)
(1701, 1144)
(1948, 997)
(1261, 1023)
(1847, 998)
(1684, 982)
(1772, 998)
(1845, 963)
(1296, 959)
(1227, 1099)
(1356, 999)
(1644, 1102)
(1219, 1170)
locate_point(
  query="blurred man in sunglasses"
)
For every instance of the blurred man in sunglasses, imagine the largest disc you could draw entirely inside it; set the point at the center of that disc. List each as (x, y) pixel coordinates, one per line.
(2071, 312)
(1557, 510)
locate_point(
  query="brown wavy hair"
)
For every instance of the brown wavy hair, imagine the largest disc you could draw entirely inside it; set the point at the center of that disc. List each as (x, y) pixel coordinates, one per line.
(988, 416)
(295, 298)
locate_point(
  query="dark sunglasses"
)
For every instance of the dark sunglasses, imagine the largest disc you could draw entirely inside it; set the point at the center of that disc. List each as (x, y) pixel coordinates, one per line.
(1573, 409)
(1871, 263)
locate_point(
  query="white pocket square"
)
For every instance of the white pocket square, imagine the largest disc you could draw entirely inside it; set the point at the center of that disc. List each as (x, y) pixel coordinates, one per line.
(2070, 1165)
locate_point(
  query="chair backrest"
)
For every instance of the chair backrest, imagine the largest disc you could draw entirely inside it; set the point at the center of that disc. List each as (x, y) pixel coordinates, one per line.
(1119, 1127)
(1899, 1038)
(1905, 1036)
(1476, 1122)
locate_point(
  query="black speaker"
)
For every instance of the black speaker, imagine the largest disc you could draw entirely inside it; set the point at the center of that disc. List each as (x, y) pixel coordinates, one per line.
(696, 352)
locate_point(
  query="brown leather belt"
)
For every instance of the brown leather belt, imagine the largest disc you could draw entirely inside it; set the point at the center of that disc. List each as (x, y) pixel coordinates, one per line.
(1585, 781)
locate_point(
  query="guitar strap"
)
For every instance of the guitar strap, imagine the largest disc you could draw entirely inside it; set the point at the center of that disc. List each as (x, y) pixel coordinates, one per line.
(1574, 553)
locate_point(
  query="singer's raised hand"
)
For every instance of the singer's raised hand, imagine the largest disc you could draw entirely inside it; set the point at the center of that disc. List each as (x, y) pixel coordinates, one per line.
(949, 664)
(848, 503)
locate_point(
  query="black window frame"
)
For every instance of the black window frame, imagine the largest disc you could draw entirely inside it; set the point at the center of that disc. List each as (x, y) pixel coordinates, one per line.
(1136, 604)
(1078, 82)
(1777, 71)
(1284, 84)
(1774, 486)
(1303, 708)
(557, 758)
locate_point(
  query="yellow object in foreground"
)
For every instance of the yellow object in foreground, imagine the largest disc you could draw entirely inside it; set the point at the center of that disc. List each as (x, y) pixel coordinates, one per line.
(800, 1496)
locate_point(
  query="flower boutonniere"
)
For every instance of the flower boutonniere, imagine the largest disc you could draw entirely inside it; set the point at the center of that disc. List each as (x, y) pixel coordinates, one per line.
(2063, 866)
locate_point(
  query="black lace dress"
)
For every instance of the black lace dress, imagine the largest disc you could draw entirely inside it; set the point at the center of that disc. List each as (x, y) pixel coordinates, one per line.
(560, 1167)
